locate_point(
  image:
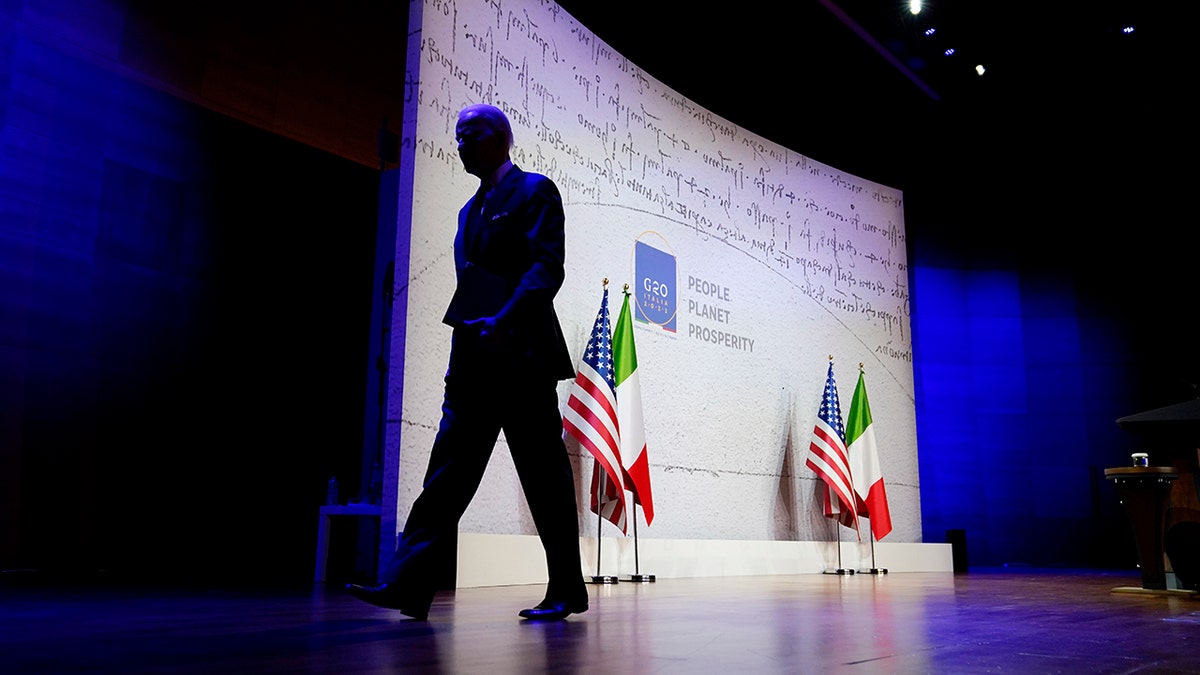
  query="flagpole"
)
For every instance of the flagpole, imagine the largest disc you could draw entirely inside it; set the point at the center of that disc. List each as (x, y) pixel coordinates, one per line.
(860, 414)
(840, 569)
(600, 578)
(838, 543)
(599, 523)
(637, 570)
(873, 569)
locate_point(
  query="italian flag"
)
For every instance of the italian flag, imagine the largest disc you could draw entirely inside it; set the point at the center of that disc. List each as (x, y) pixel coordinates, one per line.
(629, 413)
(869, 495)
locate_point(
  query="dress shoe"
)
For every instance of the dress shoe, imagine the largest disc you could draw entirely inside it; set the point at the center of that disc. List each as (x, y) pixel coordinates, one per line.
(553, 610)
(388, 597)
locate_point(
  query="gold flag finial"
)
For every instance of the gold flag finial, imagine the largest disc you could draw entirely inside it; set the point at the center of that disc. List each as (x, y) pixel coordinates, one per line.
(831, 357)
(626, 289)
(860, 366)
(606, 282)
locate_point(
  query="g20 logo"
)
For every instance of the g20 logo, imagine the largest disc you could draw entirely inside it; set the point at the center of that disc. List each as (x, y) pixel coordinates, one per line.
(656, 287)
(655, 269)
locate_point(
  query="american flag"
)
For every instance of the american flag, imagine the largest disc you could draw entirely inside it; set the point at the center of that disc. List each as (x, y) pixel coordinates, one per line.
(591, 417)
(827, 456)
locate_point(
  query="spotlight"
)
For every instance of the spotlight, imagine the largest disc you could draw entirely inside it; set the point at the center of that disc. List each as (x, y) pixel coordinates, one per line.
(979, 70)
(930, 31)
(1127, 30)
(914, 6)
(949, 52)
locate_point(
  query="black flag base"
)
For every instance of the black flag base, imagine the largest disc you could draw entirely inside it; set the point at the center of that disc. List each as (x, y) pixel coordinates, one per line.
(841, 570)
(644, 578)
(874, 570)
(603, 579)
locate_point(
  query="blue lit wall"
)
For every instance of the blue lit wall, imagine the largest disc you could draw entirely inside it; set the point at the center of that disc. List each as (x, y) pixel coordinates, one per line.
(184, 315)
(1019, 386)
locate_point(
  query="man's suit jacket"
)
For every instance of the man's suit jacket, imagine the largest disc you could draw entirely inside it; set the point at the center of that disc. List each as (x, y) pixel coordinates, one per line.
(517, 247)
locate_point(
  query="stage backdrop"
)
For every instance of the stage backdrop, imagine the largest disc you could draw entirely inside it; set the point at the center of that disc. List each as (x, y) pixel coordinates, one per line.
(748, 264)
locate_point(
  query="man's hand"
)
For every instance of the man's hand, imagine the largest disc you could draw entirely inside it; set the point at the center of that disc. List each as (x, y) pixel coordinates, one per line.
(491, 333)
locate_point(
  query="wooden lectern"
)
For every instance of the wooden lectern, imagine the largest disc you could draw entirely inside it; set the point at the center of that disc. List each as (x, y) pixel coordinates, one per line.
(1163, 501)
(1145, 492)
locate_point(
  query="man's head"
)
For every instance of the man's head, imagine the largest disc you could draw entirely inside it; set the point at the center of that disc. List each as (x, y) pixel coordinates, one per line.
(484, 138)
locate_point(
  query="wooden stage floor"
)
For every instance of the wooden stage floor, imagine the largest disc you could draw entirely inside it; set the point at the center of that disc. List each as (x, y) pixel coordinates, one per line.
(991, 621)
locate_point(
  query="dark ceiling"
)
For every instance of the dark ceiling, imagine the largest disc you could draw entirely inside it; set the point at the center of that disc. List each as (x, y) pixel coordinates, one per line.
(858, 84)
(1074, 129)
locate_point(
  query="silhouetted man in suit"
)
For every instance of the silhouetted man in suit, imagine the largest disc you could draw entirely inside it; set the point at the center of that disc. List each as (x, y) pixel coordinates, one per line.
(507, 355)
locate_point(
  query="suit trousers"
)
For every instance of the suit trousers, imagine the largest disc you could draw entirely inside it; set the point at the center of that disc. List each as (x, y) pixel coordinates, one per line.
(475, 409)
